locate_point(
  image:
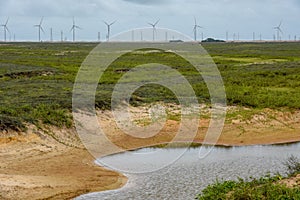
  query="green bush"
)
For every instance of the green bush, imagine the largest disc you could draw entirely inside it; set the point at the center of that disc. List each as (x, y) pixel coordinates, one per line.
(266, 188)
(11, 123)
(293, 165)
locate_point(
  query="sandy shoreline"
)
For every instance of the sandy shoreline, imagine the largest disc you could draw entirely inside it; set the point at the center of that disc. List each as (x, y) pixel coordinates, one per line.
(53, 164)
(35, 166)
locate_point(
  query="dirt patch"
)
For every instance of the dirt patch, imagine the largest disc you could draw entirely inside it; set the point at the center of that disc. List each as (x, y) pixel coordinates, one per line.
(292, 182)
(27, 74)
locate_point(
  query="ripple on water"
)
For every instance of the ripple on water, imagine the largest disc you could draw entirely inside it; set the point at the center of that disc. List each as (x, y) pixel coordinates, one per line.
(189, 175)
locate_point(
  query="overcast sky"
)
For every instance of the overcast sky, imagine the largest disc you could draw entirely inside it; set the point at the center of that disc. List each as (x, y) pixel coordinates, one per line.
(217, 16)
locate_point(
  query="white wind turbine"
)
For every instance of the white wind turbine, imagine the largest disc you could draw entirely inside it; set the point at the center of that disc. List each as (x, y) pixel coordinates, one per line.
(40, 28)
(154, 28)
(108, 29)
(196, 26)
(5, 29)
(279, 30)
(74, 27)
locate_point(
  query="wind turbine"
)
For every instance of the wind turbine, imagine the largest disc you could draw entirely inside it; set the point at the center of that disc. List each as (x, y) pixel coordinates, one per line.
(154, 28)
(40, 28)
(74, 27)
(196, 26)
(108, 29)
(5, 29)
(278, 29)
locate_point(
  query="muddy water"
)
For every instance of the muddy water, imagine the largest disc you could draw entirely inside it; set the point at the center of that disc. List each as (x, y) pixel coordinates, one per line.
(187, 176)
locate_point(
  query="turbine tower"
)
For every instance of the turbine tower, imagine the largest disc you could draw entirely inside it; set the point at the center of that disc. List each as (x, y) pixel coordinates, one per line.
(154, 28)
(61, 36)
(40, 28)
(196, 26)
(74, 27)
(108, 28)
(5, 29)
(278, 29)
(142, 37)
(51, 34)
(227, 36)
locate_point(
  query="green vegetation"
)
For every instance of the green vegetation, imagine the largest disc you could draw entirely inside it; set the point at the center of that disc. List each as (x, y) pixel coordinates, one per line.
(259, 75)
(36, 79)
(263, 188)
(267, 187)
(36, 83)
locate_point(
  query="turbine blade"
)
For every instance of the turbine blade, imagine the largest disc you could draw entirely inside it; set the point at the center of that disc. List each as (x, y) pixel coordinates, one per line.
(41, 21)
(72, 28)
(7, 29)
(78, 27)
(7, 21)
(113, 23)
(280, 24)
(157, 22)
(106, 23)
(151, 24)
(280, 30)
(195, 21)
(73, 21)
(42, 29)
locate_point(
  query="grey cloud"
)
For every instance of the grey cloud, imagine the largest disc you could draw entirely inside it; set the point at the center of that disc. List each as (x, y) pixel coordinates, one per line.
(147, 2)
(51, 7)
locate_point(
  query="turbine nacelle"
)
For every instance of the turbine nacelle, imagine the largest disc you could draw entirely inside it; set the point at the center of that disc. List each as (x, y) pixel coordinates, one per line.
(155, 24)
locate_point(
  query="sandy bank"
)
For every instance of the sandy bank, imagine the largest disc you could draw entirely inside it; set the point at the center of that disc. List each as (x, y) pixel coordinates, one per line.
(52, 163)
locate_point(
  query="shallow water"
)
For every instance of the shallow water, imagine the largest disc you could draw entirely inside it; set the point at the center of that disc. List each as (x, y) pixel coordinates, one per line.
(186, 177)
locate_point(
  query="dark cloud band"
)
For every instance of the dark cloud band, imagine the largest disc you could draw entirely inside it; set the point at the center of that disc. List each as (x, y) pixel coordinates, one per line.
(147, 2)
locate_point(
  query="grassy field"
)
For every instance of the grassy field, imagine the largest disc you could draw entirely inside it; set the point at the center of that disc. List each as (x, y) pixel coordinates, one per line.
(36, 79)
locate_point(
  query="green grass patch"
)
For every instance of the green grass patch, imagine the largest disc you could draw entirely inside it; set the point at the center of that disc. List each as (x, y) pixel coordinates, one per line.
(41, 76)
(266, 188)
